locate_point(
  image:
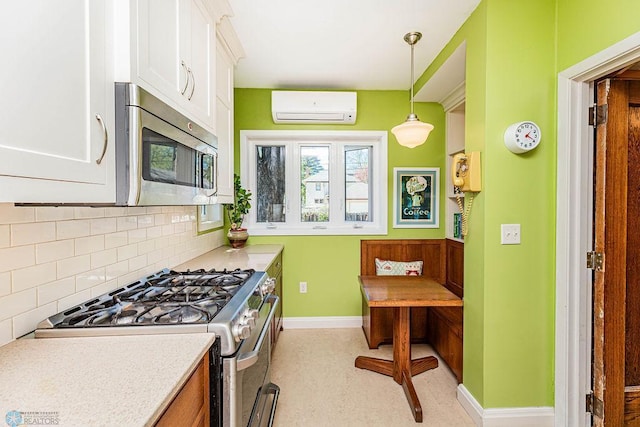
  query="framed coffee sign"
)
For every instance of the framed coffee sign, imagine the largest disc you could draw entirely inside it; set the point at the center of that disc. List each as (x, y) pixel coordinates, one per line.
(415, 197)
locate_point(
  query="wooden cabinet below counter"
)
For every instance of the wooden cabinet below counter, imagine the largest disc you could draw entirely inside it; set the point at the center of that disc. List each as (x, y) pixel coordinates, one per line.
(190, 407)
(275, 271)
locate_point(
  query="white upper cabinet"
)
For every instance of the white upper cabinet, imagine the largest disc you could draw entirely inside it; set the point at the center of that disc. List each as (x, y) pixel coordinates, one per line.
(171, 53)
(56, 117)
(228, 51)
(224, 111)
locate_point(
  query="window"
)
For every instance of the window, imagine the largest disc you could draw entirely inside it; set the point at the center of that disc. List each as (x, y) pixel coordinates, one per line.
(315, 182)
(209, 217)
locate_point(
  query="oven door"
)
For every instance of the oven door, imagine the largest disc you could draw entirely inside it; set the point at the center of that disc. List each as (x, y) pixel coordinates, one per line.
(249, 397)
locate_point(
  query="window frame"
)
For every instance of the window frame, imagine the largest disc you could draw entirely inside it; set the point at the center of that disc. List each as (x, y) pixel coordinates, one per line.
(338, 141)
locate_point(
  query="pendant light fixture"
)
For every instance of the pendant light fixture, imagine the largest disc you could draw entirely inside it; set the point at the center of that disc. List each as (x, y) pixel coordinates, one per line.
(412, 132)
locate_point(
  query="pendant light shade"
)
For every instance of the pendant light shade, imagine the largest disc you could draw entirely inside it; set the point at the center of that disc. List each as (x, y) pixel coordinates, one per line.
(412, 132)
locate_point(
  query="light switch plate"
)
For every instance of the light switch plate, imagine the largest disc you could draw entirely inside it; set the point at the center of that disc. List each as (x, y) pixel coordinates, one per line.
(510, 234)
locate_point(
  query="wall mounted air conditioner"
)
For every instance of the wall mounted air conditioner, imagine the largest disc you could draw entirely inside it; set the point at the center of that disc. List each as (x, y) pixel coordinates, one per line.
(313, 107)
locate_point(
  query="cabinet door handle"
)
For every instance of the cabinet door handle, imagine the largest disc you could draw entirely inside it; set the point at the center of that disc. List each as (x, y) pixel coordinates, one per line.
(193, 86)
(106, 138)
(186, 77)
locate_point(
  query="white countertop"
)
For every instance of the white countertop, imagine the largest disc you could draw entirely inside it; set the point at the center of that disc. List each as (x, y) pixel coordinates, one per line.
(257, 257)
(98, 381)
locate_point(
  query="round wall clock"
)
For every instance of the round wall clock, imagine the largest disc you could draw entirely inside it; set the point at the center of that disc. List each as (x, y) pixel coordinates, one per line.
(522, 137)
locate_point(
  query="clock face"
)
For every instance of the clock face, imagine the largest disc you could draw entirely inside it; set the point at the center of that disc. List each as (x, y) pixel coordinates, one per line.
(522, 137)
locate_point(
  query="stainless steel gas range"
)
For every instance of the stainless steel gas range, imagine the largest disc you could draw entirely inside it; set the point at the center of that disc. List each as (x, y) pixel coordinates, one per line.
(237, 306)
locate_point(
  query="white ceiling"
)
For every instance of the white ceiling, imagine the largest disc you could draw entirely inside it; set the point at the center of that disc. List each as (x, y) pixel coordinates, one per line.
(343, 44)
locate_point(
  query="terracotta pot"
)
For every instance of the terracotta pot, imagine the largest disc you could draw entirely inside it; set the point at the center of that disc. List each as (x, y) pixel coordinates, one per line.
(238, 238)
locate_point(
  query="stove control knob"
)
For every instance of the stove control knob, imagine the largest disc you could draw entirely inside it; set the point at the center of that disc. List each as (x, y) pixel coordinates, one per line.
(241, 331)
(251, 316)
(269, 285)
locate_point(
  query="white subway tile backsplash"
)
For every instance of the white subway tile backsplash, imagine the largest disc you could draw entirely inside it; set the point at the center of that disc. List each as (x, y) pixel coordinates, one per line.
(128, 251)
(160, 219)
(137, 235)
(74, 265)
(138, 262)
(33, 276)
(115, 212)
(136, 210)
(116, 270)
(91, 251)
(73, 300)
(113, 240)
(103, 225)
(54, 291)
(17, 257)
(27, 321)
(145, 221)
(73, 228)
(88, 212)
(87, 245)
(5, 236)
(167, 230)
(6, 331)
(154, 232)
(54, 251)
(17, 302)
(104, 288)
(146, 246)
(32, 232)
(124, 223)
(58, 213)
(5, 283)
(92, 278)
(154, 256)
(102, 258)
(10, 214)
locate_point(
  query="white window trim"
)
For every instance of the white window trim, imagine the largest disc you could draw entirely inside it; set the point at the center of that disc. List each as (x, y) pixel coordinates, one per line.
(378, 167)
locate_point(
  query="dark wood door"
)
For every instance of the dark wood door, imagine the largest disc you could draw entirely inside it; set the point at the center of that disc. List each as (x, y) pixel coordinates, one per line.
(616, 292)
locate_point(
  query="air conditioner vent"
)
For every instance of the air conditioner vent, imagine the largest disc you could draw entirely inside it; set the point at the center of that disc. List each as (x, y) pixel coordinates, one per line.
(313, 107)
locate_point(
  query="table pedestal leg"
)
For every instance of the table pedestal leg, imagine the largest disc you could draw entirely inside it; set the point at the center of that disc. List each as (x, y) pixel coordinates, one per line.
(402, 368)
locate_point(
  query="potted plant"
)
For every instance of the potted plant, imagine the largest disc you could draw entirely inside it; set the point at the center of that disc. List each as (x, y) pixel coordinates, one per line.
(236, 211)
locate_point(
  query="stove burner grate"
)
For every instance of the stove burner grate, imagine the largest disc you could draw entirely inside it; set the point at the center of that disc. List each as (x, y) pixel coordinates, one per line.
(168, 297)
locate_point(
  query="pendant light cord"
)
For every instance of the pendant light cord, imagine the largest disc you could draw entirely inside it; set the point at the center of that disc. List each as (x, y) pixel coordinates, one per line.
(411, 84)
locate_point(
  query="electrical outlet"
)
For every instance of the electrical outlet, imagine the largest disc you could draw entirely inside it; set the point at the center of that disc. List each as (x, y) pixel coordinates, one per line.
(303, 287)
(510, 234)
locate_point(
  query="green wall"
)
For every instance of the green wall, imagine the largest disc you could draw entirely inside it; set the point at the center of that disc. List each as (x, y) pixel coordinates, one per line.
(586, 27)
(330, 264)
(514, 51)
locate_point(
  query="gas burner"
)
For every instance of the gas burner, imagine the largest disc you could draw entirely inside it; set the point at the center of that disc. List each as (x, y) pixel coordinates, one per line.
(168, 297)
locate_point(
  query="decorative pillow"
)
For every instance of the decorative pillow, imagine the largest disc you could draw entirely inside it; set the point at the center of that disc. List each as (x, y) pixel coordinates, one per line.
(398, 268)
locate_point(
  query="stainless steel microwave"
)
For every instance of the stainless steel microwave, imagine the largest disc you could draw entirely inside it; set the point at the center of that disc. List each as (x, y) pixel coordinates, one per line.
(162, 157)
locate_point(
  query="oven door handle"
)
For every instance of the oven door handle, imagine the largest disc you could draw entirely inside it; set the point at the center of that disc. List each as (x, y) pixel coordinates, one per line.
(248, 359)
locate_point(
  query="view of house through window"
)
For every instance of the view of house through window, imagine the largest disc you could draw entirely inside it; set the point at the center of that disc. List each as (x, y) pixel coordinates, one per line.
(313, 182)
(358, 189)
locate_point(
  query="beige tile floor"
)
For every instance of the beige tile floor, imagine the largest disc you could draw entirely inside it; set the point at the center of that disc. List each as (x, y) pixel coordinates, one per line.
(320, 386)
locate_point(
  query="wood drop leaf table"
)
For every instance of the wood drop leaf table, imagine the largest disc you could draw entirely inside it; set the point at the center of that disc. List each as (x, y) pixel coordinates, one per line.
(401, 293)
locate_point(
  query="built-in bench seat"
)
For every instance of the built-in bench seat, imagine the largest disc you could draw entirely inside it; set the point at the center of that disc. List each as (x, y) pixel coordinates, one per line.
(442, 327)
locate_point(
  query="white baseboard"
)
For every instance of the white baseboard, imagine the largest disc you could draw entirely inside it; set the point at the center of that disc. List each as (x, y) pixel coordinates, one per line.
(327, 322)
(504, 417)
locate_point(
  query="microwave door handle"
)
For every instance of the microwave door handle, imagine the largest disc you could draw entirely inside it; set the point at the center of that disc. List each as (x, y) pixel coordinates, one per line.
(214, 175)
(249, 359)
